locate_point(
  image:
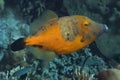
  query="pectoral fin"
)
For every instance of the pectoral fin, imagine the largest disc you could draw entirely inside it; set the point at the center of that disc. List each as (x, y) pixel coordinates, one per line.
(42, 54)
(45, 56)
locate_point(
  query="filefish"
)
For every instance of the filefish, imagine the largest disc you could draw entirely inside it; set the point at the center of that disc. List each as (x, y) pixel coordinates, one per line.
(62, 35)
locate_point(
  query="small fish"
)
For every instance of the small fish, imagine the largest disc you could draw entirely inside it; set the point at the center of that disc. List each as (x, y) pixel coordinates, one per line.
(62, 35)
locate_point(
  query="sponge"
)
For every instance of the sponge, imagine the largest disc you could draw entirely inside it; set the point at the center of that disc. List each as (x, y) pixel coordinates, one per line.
(109, 74)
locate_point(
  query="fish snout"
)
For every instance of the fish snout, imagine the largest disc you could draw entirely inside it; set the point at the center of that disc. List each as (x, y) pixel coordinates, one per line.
(104, 28)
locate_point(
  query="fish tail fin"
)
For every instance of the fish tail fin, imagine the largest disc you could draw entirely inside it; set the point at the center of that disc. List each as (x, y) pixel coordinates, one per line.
(18, 45)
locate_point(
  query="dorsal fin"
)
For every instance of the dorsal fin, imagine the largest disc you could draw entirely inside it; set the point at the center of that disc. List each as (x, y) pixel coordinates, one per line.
(46, 26)
(43, 19)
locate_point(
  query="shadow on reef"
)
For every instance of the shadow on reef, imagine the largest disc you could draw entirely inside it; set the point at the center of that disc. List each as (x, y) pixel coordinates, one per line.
(96, 51)
(57, 6)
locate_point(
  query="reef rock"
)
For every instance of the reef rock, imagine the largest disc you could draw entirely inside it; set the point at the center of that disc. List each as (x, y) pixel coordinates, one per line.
(10, 30)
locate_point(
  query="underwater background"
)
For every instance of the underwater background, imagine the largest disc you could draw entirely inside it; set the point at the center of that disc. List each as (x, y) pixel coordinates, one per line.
(86, 64)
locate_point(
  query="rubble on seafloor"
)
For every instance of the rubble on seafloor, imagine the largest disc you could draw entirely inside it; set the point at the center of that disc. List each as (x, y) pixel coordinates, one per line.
(74, 66)
(29, 10)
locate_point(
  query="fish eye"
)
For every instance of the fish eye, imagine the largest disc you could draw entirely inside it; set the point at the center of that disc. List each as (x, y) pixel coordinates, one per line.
(86, 24)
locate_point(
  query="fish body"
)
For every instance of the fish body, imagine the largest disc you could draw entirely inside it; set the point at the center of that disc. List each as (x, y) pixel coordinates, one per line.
(63, 35)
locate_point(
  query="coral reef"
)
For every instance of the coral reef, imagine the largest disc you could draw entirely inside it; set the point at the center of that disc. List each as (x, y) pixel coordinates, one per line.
(71, 66)
(80, 8)
(56, 6)
(98, 6)
(80, 65)
(29, 10)
(10, 30)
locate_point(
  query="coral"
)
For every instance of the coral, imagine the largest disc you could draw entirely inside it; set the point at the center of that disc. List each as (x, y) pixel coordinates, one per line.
(79, 65)
(1, 55)
(28, 10)
(3, 76)
(81, 75)
(57, 6)
(69, 66)
(115, 15)
(10, 30)
(99, 5)
(79, 7)
(109, 74)
(31, 9)
(18, 71)
(114, 21)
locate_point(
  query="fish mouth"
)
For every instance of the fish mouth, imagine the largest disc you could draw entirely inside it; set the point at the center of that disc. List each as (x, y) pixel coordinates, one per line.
(105, 27)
